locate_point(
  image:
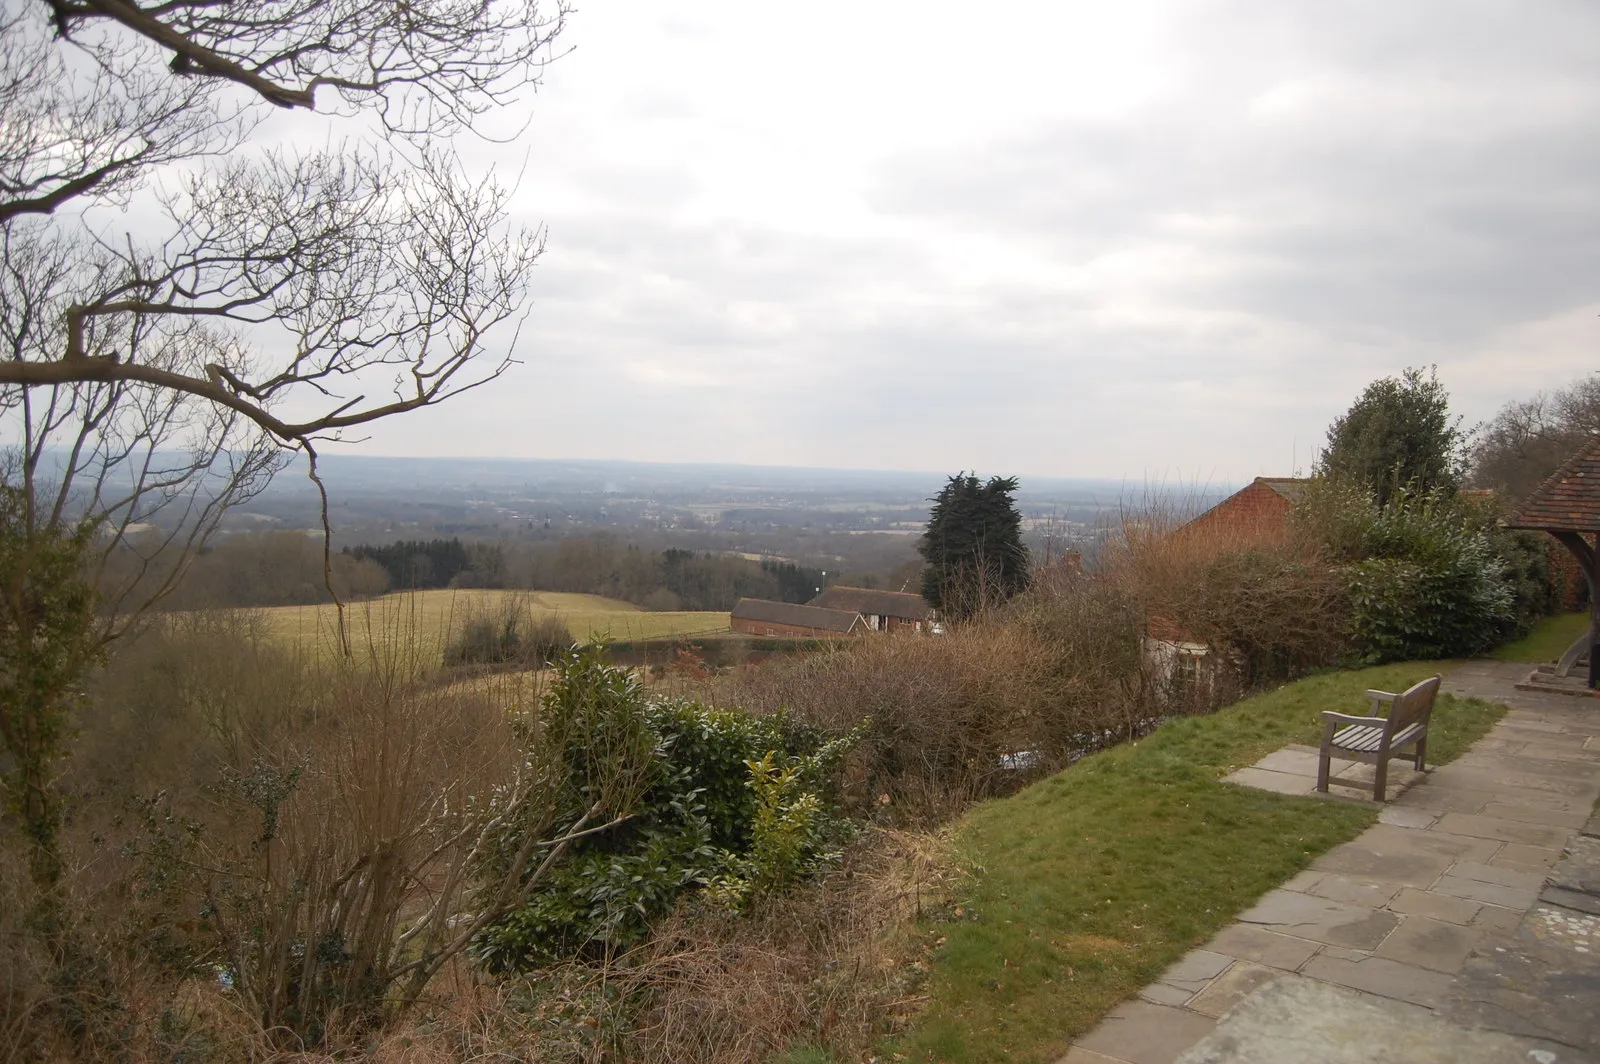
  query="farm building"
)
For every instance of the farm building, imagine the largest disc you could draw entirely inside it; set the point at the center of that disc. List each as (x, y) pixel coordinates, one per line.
(762, 617)
(884, 611)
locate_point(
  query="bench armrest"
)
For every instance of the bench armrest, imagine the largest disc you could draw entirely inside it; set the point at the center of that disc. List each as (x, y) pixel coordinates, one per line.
(1330, 717)
(1381, 696)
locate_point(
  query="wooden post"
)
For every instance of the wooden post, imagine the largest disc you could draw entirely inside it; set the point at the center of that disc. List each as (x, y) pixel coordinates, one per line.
(1586, 554)
(1593, 573)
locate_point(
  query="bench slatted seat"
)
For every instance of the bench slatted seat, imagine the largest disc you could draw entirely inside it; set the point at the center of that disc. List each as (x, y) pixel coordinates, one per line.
(1403, 732)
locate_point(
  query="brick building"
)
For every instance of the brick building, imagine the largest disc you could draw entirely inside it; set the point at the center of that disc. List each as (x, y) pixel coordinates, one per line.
(1257, 512)
(763, 617)
(884, 611)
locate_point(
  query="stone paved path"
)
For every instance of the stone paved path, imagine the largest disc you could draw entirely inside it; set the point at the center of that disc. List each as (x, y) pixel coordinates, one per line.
(1432, 936)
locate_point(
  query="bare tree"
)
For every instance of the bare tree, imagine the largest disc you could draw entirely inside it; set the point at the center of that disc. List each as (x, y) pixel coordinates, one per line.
(1529, 438)
(181, 309)
(162, 361)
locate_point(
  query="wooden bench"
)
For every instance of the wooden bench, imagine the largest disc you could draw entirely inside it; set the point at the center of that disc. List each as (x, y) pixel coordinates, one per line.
(1377, 739)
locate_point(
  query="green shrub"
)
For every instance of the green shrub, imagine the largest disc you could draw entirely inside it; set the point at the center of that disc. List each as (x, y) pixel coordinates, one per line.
(699, 816)
(1430, 584)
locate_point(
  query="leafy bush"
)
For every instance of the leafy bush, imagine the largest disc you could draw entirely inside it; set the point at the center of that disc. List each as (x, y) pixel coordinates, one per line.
(1428, 584)
(703, 814)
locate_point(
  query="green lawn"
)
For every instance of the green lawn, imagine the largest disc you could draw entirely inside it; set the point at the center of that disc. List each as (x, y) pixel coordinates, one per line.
(1094, 880)
(1547, 642)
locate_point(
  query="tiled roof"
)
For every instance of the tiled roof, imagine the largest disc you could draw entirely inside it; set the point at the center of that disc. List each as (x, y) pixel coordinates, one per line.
(863, 600)
(793, 613)
(1289, 487)
(1570, 500)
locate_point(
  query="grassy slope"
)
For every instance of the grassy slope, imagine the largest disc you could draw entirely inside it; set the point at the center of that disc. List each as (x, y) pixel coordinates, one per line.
(1547, 642)
(1096, 879)
(424, 617)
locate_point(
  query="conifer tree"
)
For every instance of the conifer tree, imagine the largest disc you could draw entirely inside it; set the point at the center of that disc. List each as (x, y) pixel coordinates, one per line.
(973, 547)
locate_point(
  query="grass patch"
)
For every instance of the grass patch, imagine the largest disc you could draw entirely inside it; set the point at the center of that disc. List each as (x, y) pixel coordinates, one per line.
(1549, 639)
(427, 618)
(1094, 880)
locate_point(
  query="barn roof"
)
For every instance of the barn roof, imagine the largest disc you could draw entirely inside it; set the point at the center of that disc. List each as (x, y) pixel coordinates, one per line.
(1569, 501)
(793, 613)
(865, 600)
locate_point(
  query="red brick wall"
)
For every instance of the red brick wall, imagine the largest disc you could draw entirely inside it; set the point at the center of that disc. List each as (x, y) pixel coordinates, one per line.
(1566, 576)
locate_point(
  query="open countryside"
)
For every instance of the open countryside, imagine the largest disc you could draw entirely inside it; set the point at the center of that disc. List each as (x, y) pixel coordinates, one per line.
(1086, 553)
(429, 618)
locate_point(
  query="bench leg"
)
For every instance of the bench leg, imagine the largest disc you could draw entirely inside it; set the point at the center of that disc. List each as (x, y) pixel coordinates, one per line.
(1322, 770)
(1422, 753)
(1380, 779)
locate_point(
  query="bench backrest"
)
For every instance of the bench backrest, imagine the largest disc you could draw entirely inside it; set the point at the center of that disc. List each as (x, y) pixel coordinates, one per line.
(1414, 706)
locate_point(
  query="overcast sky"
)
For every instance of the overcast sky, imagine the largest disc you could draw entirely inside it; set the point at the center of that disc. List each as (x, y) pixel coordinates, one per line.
(1135, 239)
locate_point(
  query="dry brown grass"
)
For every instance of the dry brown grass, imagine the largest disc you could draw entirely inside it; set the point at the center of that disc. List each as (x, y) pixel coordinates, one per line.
(835, 965)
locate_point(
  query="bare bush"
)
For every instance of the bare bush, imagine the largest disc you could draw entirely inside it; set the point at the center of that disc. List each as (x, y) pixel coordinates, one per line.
(825, 965)
(954, 718)
(312, 839)
(1266, 600)
(508, 632)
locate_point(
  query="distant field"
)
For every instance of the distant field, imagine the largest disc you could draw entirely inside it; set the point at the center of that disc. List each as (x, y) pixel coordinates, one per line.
(425, 618)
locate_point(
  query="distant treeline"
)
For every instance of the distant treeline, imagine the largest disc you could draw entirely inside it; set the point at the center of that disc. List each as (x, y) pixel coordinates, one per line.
(671, 579)
(417, 565)
(286, 568)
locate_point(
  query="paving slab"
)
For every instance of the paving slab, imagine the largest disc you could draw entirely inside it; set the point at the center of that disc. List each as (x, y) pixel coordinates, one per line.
(1262, 946)
(1195, 969)
(1433, 944)
(1488, 893)
(1162, 994)
(1079, 1055)
(1407, 816)
(1444, 799)
(1477, 895)
(1579, 869)
(1578, 901)
(1503, 783)
(1381, 976)
(1520, 858)
(1372, 893)
(1543, 983)
(1320, 919)
(1488, 827)
(1436, 840)
(1551, 752)
(1142, 1033)
(1301, 760)
(1504, 877)
(1231, 987)
(1363, 858)
(1532, 814)
(1295, 1020)
(1276, 782)
(1413, 902)
(1497, 919)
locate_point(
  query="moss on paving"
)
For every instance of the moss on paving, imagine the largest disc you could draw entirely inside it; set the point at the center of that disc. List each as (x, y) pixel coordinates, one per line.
(1094, 880)
(1549, 639)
